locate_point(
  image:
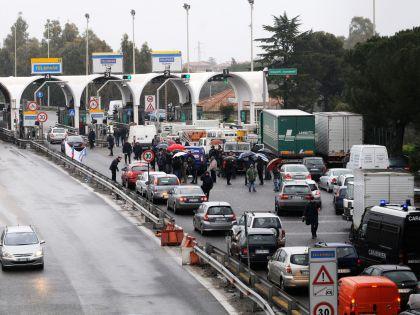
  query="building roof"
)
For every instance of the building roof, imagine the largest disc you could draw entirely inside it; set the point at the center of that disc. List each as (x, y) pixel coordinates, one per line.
(287, 112)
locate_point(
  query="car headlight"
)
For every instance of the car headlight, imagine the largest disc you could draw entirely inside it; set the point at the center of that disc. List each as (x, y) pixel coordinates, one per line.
(6, 254)
(38, 253)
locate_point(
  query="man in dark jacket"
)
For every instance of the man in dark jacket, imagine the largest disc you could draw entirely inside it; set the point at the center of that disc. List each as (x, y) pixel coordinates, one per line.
(110, 140)
(137, 150)
(207, 183)
(117, 136)
(260, 170)
(127, 150)
(310, 215)
(229, 166)
(114, 168)
(123, 134)
(91, 138)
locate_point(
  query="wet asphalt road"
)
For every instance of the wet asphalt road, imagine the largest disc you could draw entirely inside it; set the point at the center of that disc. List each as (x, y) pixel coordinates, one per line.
(96, 262)
(331, 227)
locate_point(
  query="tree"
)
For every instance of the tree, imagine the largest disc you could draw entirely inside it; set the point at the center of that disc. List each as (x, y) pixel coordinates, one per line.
(144, 64)
(360, 30)
(383, 84)
(227, 111)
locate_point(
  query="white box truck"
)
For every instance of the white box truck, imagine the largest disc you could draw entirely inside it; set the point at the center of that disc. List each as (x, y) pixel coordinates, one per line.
(372, 186)
(336, 133)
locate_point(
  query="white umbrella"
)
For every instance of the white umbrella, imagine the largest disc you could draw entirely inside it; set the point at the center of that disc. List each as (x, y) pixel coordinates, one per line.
(262, 157)
(180, 154)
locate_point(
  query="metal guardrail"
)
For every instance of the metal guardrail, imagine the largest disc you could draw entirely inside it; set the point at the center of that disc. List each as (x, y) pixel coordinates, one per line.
(247, 291)
(270, 293)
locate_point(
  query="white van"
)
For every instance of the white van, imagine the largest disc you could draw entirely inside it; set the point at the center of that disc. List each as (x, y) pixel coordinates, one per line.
(368, 156)
(142, 134)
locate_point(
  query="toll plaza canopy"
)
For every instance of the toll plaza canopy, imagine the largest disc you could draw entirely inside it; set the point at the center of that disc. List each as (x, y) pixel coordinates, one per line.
(248, 87)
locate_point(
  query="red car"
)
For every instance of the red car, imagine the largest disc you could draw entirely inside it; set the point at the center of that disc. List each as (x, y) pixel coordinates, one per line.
(130, 173)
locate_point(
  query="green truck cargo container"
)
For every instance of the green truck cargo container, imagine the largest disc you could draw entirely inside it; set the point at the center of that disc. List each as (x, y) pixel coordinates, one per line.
(288, 132)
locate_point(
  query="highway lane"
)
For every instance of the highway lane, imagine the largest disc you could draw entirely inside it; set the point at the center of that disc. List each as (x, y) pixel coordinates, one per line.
(96, 261)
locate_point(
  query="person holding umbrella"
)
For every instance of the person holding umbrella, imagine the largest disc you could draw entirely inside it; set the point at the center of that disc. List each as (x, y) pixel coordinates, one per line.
(260, 170)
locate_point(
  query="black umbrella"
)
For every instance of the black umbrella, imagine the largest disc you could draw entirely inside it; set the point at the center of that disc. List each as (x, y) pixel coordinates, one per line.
(246, 154)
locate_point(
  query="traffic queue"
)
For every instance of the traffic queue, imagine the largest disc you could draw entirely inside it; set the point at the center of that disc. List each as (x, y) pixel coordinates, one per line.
(383, 253)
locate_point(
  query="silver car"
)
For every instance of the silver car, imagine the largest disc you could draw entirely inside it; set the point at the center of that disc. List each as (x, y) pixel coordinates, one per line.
(56, 135)
(185, 198)
(289, 267)
(141, 186)
(342, 181)
(294, 196)
(316, 192)
(294, 171)
(20, 246)
(328, 180)
(158, 186)
(214, 216)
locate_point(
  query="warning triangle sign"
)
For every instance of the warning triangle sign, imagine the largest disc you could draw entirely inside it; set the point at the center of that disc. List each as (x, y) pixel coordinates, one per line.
(323, 277)
(150, 108)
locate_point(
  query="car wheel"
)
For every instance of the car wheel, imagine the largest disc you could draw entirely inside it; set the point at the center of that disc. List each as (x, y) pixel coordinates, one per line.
(167, 206)
(329, 189)
(195, 225)
(174, 207)
(282, 286)
(3, 267)
(41, 267)
(276, 208)
(202, 232)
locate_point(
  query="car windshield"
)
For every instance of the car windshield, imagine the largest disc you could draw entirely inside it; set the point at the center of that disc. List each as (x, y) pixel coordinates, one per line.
(220, 210)
(350, 189)
(346, 252)
(347, 180)
(167, 181)
(74, 139)
(399, 276)
(271, 222)
(315, 161)
(262, 239)
(296, 168)
(296, 189)
(25, 238)
(300, 259)
(139, 168)
(190, 191)
(313, 187)
(398, 161)
(343, 171)
(58, 130)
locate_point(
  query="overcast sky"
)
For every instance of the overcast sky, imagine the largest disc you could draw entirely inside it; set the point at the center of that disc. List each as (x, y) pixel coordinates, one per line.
(222, 26)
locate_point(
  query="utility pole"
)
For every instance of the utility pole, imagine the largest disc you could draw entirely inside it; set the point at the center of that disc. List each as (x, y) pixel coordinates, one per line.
(251, 2)
(133, 13)
(87, 66)
(187, 7)
(199, 51)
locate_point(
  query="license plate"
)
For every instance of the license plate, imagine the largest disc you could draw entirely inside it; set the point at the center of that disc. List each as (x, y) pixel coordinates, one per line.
(343, 270)
(414, 261)
(304, 272)
(220, 219)
(296, 197)
(314, 169)
(23, 259)
(404, 290)
(192, 200)
(261, 251)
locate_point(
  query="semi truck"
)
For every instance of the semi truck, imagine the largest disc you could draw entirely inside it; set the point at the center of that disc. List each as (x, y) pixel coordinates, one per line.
(290, 133)
(336, 133)
(371, 187)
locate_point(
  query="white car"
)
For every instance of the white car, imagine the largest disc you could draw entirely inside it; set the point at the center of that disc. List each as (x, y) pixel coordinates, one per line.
(316, 193)
(294, 172)
(328, 180)
(141, 186)
(56, 135)
(289, 267)
(342, 181)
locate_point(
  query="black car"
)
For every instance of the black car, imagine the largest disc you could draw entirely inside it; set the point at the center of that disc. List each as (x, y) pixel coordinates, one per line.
(402, 276)
(75, 142)
(262, 244)
(399, 163)
(348, 261)
(315, 166)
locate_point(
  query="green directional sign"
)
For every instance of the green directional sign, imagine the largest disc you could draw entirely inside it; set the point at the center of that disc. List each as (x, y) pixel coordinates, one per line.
(283, 71)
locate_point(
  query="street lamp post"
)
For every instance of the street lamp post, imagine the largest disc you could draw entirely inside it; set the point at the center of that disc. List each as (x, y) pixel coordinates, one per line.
(87, 16)
(48, 55)
(133, 13)
(187, 9)
(251, 2)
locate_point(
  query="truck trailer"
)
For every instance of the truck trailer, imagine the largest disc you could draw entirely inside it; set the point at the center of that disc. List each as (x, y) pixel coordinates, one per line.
(336, 133)
(289, 133)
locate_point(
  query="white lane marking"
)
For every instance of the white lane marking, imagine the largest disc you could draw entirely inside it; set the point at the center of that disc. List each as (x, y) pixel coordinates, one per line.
(321, 221)
(318, 233)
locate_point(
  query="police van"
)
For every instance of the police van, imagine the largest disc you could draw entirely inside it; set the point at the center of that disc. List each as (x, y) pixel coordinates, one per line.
(389, 234)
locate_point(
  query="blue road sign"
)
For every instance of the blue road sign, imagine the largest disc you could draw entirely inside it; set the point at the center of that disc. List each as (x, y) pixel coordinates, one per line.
(71, 112)
(40, 94)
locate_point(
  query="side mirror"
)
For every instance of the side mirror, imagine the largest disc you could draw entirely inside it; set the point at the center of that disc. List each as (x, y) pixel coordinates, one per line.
(42, 242)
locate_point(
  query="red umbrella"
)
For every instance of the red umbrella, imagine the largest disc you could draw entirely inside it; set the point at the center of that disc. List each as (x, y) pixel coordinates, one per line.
(175, 146)
(273, 163)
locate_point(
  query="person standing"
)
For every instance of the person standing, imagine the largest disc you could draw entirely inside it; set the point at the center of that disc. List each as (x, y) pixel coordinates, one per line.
(117, 136)
(137, 150)
(114, 168)
(247, 163)
(310, 216)
(229, 168)
(260, 169)
(127, 150)
(276, 178)
(176, 166)
(207, 183)
(123, 134)
(251, 174)
(161, 160)
(110, 140)
(193, 168)
(213, 168)
(91, 138)
(184, 169)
